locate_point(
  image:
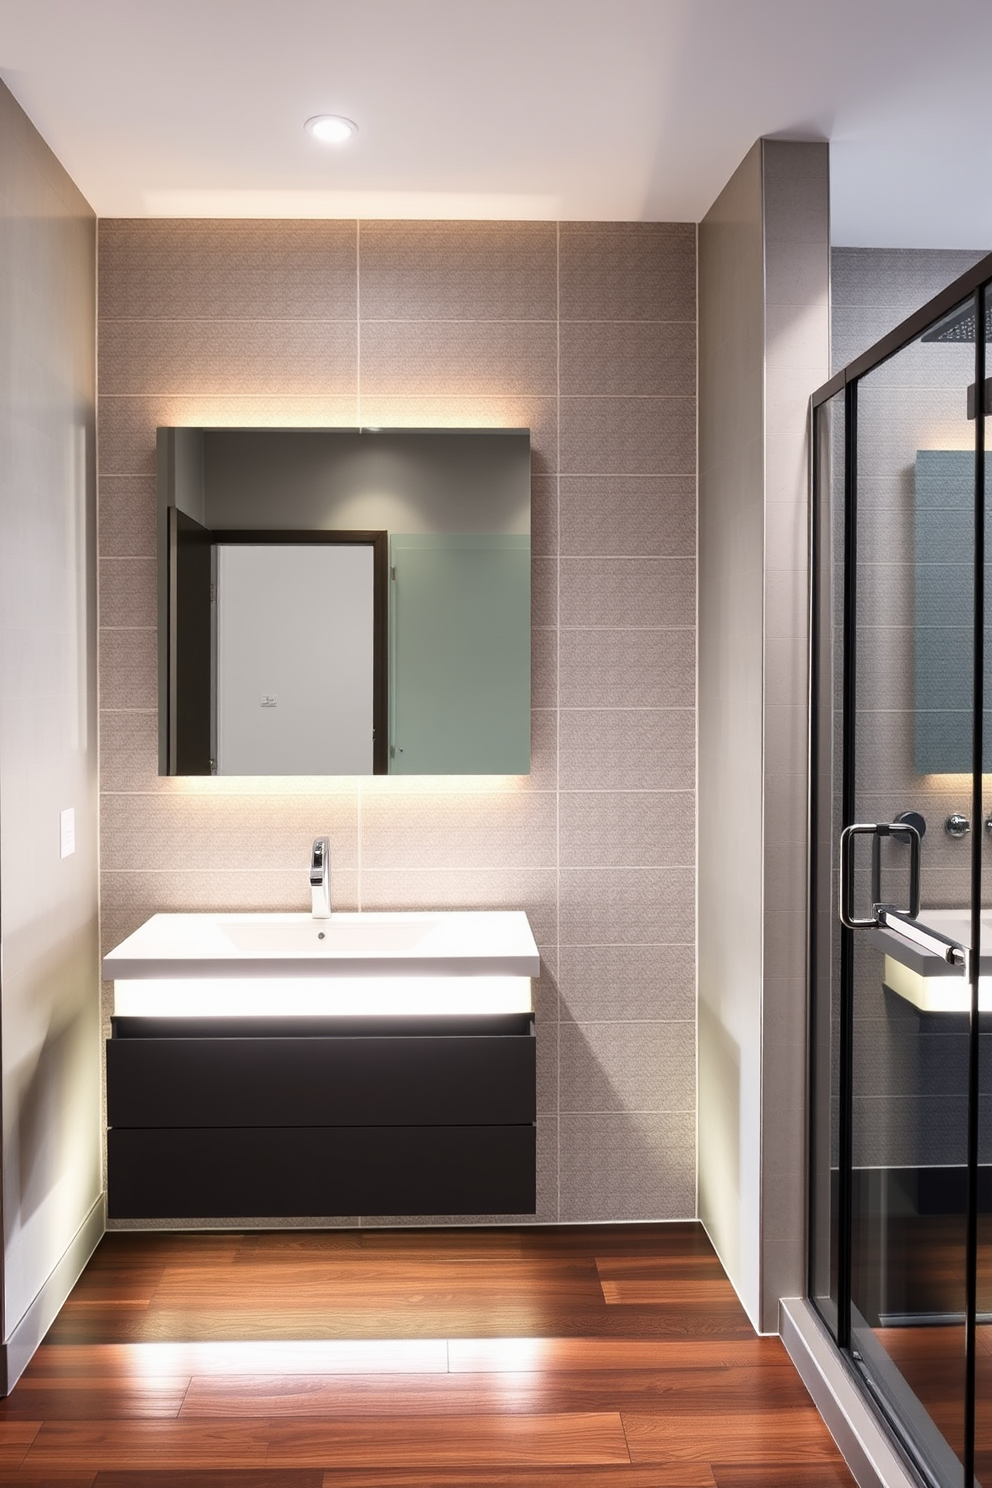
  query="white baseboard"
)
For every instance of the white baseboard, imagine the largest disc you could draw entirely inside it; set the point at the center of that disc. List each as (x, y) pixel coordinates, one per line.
(870, 1453)
(17, 1352)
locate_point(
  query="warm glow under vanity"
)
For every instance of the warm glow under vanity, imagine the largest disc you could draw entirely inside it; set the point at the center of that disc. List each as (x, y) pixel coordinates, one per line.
(270, 1066)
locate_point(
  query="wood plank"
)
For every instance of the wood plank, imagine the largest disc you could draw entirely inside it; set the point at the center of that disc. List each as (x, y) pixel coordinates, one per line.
(25, 1477)
(385, 1296)
(682, 1475)
(15, 1439)
(470, 1441)
(466, 1441)
(301, 1477)
(654, 1293)
(783, 1475)
(129, 1285)
(451, 1245)
(501, 1316)
(679, 1238)
(726, 1389)
(155, 1247)
(82, 1399)
(623, 1475)
(793, 1434)
(120, 1361)
(378, 1281)
(343, 1239)
(554, 1354)
(668, 1266)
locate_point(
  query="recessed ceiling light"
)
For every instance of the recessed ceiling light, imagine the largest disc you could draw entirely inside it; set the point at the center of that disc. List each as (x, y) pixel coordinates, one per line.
(333, 129)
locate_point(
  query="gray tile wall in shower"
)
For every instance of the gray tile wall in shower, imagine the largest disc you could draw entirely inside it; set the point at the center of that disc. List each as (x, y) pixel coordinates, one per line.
(586, 334)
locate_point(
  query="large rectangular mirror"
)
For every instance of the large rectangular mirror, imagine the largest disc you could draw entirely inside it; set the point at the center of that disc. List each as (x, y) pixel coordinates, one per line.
(344, 601)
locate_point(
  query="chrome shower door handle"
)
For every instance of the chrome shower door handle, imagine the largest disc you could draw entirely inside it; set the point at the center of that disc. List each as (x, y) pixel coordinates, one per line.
(877, 830)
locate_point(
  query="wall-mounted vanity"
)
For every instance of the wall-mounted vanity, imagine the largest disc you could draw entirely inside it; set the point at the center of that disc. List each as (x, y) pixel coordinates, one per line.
(275, 1065)
(344, 601)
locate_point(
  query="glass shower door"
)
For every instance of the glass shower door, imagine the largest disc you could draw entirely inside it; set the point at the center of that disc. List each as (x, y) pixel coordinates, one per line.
(897, 843)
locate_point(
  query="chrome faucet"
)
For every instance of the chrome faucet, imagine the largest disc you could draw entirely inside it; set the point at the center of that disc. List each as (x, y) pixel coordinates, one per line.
(320, 878)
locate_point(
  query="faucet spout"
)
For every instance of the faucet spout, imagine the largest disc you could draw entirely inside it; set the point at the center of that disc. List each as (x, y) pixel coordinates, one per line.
(320, 879)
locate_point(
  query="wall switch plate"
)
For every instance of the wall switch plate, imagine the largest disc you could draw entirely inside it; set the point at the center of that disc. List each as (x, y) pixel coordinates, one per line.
(67, 832)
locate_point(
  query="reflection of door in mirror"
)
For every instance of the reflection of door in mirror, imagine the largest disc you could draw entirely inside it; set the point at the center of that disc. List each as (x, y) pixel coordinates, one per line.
(277, 651)
(295, 646)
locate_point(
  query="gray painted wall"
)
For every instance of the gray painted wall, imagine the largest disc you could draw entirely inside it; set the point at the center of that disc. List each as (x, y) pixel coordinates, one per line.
(49, 1001)
(763, 348)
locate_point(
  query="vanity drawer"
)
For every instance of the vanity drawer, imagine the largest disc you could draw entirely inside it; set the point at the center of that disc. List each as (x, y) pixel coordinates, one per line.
(237, 1082)
(217, 1173)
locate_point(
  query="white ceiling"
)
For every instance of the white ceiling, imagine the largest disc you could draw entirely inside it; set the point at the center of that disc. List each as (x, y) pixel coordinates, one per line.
(571, 109)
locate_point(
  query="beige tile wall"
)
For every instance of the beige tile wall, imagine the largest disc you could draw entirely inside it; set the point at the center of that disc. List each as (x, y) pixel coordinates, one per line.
(586, 334)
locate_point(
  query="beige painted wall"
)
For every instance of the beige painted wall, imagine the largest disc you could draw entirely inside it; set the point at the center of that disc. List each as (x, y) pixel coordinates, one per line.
(764, 347)
(49, 1001)
(585, 333)
(731, 537)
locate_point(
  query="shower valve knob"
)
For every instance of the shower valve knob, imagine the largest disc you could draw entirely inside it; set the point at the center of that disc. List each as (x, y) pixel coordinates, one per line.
(957, 825)
(912, 819)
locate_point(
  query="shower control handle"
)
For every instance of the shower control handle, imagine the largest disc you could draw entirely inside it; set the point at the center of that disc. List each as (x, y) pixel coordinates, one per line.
(877, 830)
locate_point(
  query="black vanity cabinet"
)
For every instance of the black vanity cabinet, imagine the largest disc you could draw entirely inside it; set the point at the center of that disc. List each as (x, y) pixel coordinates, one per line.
(217, 1118)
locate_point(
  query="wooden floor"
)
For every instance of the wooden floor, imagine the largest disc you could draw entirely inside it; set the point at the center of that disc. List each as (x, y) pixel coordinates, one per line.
(585, 1357)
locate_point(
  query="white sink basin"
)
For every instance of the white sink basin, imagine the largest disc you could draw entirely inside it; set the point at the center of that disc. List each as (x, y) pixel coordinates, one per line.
(457, 961)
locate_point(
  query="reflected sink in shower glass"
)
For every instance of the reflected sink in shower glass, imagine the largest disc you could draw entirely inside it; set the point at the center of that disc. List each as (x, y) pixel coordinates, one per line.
(927, 981)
